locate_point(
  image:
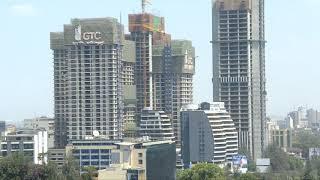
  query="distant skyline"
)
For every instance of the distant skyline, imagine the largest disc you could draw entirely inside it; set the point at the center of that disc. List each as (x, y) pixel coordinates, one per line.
(26, 69)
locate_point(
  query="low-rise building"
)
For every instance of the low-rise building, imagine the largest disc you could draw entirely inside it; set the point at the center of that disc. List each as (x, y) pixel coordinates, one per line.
(138, 159)
(42, 122)
(154, 160)
(32, 143)
(282, 138)
(208, 134)
(57, 156)
(10, 128)
(94, 152)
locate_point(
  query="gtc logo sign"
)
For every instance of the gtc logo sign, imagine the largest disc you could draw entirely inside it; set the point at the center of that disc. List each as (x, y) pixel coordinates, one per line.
(78, 35)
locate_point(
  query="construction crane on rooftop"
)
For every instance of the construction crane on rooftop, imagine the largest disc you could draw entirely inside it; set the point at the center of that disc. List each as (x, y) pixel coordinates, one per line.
(144, 4)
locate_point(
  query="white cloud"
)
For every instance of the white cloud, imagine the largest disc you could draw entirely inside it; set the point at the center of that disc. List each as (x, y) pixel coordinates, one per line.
(23, 10)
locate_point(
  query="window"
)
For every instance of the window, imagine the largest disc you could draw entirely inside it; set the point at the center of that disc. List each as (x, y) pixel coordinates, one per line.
(140, 161)
(28, 146)
(95, 163)
(84, 151)
(140, 154)
(96, 151)
(95, 157)
(85, 157)
(85, 163)
(15, 146)
(105, 157)
(106, 163)
(105, 151)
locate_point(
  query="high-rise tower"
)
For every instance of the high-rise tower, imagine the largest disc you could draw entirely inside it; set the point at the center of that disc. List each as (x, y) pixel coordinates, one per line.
(239, 67)
(146, 30)
(173, 70)
(164, 68)
(91, 70)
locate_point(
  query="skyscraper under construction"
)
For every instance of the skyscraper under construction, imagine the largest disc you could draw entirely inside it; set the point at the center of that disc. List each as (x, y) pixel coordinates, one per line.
(239, 67)
(173, 70)
(164, 68)
(93, 80)
(146, 30)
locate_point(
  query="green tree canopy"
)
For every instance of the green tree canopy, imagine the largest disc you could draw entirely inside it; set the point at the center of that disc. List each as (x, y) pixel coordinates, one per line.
(202, 172)
(18, 167)
(281, 161)
(305, 140)
(14, 167)
(248, 176)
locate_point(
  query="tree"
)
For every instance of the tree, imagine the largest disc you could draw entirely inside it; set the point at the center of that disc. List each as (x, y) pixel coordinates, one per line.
(307, 174)
(90, 173)
(305, 140)
(248, 176)
(71, 169)
(18, 167)
(278, 158)
(202, 172)
(14, 167)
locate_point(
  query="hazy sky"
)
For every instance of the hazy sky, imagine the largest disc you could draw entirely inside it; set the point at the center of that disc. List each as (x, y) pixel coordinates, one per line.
(26, 65)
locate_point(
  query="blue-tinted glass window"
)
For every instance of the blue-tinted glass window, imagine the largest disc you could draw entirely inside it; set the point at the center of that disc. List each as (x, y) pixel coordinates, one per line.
(105, 157)
(95, 157)
(85, 157)
(85, 163)
(94, 162)
(84, 151)
(105, 151)
(106, 163)
(94, 151)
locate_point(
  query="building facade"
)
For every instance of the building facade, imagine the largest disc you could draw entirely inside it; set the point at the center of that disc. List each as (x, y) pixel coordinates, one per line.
(156, 125)
(95, 153)
(164, 68)
(91, 71)
(2, 127)
(281, 138)
(42, 122)
(32, 143)
(57, 156)
(313, 117)
(142, 161)
(134, 160)
(173, 70)
(145, 30)
(239, 67)
(208, 134)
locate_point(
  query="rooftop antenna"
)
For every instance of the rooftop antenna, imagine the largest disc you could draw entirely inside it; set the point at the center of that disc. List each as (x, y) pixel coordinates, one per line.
(144, 4)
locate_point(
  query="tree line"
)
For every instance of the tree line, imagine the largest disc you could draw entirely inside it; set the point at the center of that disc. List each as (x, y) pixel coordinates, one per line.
(18, 167)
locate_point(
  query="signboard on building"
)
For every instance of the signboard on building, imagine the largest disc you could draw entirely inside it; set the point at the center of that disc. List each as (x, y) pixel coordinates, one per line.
(239, 163)
(314, 153)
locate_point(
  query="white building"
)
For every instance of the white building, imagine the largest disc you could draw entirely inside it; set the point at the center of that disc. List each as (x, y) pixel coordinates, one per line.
(208, 134)
(42, 122)
(32, 143)
(156, 124)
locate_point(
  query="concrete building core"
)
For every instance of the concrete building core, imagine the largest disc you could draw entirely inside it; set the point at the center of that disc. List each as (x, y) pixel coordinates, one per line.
(239, 67)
